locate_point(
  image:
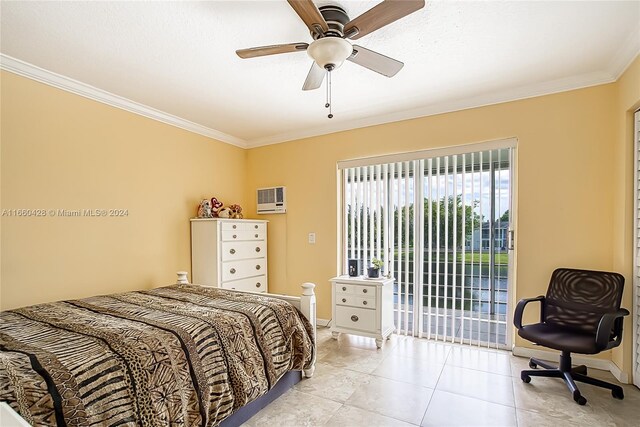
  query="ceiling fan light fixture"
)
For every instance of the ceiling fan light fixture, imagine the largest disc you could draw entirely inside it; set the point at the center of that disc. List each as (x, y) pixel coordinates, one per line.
(330, 52)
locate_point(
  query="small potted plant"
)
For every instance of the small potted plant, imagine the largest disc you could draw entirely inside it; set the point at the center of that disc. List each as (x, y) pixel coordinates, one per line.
(373, 272)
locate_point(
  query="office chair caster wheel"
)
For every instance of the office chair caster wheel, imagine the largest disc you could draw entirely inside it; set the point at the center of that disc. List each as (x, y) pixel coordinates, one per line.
(580, 400)
(532, 364)
(580, 370)
(525, 378)
(617, 393)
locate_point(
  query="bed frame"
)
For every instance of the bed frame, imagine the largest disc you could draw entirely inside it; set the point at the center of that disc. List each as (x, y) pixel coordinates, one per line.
(306, 303)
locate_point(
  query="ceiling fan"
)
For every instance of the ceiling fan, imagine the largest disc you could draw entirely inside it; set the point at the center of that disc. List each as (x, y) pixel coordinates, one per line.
(330, 28)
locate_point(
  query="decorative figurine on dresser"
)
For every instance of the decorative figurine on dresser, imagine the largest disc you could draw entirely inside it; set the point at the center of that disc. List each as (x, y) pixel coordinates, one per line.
(229, 253)
(362, 307)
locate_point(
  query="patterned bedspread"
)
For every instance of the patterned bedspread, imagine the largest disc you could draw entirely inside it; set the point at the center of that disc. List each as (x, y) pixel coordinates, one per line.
(178, 355)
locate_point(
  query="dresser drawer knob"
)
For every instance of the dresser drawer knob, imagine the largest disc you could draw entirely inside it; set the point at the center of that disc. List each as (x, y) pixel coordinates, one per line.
(364, 290)
(255, 226)
(258, 267)
(232, 271)
(344, 300)
(232, 251)
(364, 303)
(354, 318)
(344, 288)
(256, 236)
(234, 236)
(257, 249)
(235, 226)
(258, 285)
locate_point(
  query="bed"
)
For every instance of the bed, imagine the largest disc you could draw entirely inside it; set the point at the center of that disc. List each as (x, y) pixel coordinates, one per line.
(176, 355)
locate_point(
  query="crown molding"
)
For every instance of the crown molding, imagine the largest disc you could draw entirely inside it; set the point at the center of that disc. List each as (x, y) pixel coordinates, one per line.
(525, 92)
(50, 78)
(627, 53)
(621, 62)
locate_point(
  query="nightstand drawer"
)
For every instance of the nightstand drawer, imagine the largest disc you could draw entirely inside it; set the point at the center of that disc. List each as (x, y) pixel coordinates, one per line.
(354, 301)
(254, 284)
(356, 290)
(346, 288)
(355, 318)
(243, 250)
(235, 270)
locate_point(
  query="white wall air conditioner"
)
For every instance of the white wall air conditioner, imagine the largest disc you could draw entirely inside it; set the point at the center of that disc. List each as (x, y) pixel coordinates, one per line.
(272, 200)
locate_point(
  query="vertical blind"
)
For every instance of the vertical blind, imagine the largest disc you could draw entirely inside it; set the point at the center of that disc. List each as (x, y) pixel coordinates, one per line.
(434, 222)
(636, 254)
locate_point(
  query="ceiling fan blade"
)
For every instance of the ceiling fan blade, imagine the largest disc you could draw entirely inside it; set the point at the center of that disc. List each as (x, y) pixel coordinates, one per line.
(383, 14)
(271, 50)
(375, 61)
(314, 78)
(309, 13)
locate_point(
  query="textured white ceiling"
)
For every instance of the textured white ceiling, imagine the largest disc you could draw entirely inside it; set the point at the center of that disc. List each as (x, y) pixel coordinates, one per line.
(179, 58)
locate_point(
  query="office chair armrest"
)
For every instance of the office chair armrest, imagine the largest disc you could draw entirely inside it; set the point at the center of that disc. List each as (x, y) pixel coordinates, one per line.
(609, 322)
(517, 316)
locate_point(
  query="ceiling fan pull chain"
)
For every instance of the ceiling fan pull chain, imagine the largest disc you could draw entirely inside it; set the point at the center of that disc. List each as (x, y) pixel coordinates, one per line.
(328, 104)
(326, 91)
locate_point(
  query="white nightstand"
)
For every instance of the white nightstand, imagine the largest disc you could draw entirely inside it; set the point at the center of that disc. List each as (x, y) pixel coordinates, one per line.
(363, 307)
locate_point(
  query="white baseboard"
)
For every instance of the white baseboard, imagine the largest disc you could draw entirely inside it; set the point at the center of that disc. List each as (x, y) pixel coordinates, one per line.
(323, 322)
(589, 362)
(620, 375)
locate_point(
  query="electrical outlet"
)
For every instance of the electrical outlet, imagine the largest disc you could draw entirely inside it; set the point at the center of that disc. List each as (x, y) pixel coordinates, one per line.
(312, 238)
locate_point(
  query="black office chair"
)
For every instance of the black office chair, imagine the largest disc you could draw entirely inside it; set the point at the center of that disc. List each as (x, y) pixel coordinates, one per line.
(580, 314)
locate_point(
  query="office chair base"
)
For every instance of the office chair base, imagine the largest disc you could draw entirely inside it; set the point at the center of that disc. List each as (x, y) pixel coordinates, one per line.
(533, 364)
(570, 376)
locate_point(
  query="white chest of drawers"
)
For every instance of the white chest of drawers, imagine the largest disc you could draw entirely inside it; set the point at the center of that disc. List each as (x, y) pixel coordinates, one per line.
(229, 253)
(362, 307)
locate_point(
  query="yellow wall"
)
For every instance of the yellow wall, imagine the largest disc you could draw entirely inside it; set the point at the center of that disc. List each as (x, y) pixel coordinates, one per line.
(565, 179)
(62, 151)
(627, 101)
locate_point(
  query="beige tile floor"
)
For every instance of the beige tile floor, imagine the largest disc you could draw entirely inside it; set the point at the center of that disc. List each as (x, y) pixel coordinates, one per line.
(413, 381)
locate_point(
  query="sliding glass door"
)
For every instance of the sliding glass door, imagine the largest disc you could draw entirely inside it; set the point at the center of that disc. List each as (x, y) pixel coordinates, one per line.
(442, 226)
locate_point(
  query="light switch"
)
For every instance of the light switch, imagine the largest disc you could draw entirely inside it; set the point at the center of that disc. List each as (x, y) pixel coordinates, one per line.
(312, 238)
